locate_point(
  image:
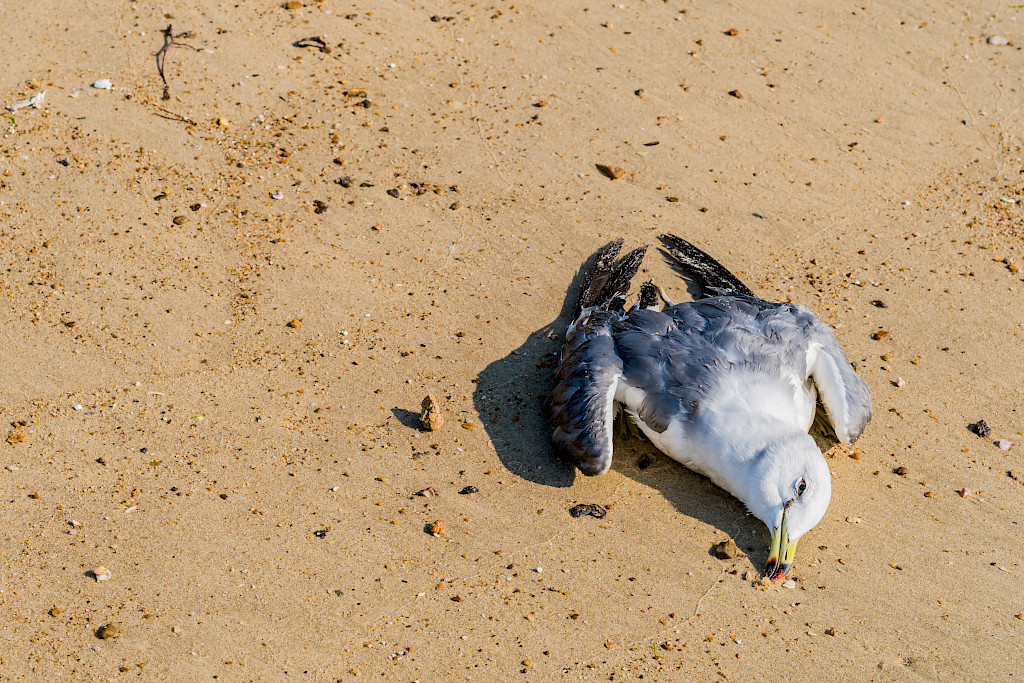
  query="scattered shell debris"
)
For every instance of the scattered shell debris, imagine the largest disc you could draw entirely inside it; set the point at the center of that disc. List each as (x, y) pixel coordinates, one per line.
(35, 102)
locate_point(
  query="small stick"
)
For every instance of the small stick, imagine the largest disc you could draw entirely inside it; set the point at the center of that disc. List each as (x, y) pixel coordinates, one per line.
(170, 115)
(170, 40)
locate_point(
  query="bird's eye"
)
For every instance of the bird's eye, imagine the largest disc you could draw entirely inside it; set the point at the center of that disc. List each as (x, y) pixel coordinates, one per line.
(801, 487)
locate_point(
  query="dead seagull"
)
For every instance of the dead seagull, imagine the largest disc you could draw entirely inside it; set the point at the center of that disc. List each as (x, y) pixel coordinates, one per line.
(726, 385)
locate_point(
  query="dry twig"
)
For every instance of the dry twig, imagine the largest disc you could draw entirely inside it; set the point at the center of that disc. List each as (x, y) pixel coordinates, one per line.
(170, 40)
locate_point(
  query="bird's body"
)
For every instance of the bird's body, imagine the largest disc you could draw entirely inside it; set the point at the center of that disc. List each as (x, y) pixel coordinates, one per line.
(726, 385)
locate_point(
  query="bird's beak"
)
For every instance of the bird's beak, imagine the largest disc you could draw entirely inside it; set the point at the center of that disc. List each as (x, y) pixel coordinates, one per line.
(780, 559)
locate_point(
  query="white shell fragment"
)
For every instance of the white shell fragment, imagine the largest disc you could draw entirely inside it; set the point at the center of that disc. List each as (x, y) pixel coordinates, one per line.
(789, 584)
(101, 573)
(276, 195)
(1005, 445)
(102, 84)
(900, 382)
(997, 40)
(36, 102)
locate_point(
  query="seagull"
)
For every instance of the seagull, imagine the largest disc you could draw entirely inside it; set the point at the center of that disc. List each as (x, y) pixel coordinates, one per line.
(727, 385)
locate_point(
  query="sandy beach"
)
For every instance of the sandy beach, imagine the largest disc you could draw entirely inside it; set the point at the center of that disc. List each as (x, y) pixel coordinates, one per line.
(242, 241)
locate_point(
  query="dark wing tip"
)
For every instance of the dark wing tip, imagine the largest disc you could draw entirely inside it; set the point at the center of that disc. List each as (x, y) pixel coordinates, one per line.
(713, 277)
(609, 279)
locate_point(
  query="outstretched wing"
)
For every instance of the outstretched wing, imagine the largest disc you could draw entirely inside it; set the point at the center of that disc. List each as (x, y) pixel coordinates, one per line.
(845, 395)
(581, 407)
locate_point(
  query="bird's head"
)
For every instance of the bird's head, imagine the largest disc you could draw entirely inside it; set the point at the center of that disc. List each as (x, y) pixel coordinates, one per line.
(792, 490)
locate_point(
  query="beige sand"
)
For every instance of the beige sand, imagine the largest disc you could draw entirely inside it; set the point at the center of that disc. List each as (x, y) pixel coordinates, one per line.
(872, 154)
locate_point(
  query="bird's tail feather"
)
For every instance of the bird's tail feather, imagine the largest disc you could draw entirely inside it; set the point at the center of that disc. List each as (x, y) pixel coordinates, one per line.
(713, 278)
(608, 281)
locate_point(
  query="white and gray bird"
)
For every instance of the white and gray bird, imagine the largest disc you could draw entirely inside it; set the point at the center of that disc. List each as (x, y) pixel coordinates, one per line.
(727, 385)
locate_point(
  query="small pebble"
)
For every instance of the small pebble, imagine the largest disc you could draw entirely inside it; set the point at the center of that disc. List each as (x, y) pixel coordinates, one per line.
(901, 470)
(292, 4)
(853, 520)
(101, 573)
(965, 492)
(980, 428)
(77, 406)
(900, 382)
(737, 94)
(591, 509)
(107, 631)
(430, 413)
(102, 84)
(725, 550)
(997, 40)
(830, 632)
(468, 489)
(613, 172)
(437, 528)
(789, 584)
(294, 324)
(880, 334)
(179, 220)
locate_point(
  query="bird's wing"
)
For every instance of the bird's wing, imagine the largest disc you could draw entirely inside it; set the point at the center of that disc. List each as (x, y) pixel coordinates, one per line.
(663, 362)
(788, 339)
(845, 395)
(581, 406)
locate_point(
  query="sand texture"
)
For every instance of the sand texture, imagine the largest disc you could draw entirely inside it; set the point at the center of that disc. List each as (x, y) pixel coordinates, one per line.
(221, 311)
